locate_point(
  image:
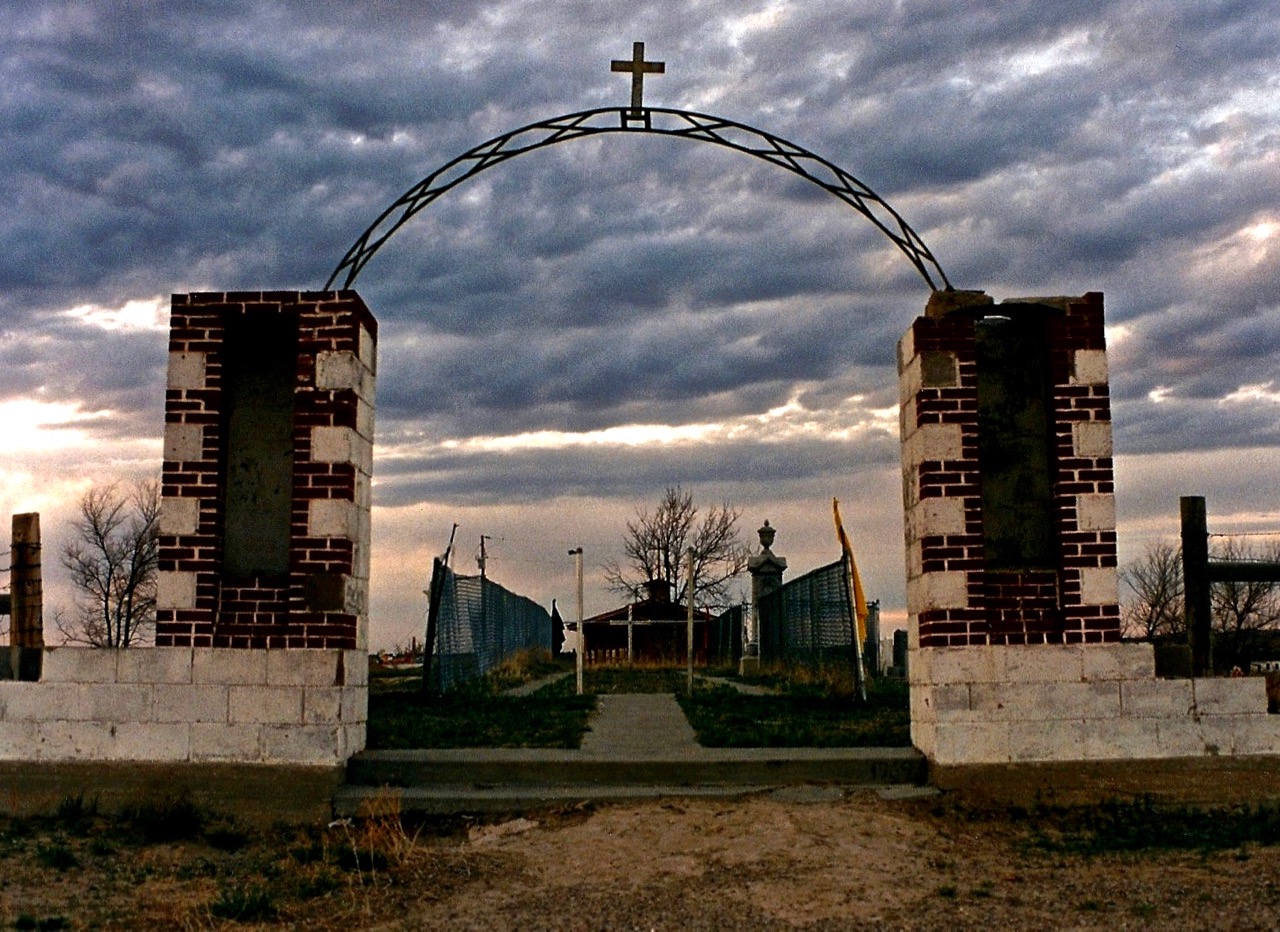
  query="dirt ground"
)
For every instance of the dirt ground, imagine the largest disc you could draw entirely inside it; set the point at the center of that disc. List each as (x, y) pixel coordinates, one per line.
(761, 863)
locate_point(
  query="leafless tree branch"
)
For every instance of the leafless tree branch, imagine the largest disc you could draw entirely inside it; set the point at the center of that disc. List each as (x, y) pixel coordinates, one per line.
(656, 545)
(112, 560)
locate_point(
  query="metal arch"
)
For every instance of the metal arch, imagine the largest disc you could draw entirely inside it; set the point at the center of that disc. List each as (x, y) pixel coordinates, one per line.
(682, 123)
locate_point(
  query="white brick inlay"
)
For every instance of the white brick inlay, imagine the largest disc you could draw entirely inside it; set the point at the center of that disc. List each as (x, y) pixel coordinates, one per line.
(186, 371)
(368, 350)
(179, 515)
(341, 370)
(364, 419)
(1099, 586)
(935, 442)
(183, 442)
(335, 445)
(1091, 438)
(1096, 512)
(938, 590)
(332, 517)
(937, 516)
(175, 590)
(1089, 367)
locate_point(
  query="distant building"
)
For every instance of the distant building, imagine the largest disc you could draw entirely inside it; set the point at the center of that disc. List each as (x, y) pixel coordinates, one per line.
(653, 630)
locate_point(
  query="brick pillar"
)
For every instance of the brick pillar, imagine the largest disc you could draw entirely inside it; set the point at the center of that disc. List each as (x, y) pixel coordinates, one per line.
(298, 445)
(1010, 530)
(1057, 582)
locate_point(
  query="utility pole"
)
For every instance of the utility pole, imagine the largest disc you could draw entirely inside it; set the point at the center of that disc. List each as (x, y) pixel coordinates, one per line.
(582, 634)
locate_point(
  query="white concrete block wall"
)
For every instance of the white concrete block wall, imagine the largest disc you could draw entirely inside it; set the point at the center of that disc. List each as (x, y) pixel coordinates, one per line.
(188, 704)
(985, 705)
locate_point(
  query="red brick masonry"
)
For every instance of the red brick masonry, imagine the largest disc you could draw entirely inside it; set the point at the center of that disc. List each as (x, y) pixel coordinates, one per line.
(314, 605)
(1011, 607)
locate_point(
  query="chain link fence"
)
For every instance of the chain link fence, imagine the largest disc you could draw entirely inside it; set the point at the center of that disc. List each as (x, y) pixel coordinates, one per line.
(809, 620)
(473, 625)
(724, 636)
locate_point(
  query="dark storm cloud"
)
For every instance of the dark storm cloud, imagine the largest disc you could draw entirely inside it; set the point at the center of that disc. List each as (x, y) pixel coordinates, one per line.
(467, 478)
(1039, 148)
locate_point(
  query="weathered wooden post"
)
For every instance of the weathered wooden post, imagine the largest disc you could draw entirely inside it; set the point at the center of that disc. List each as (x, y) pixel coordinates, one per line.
(26, 596)
(1195, 582)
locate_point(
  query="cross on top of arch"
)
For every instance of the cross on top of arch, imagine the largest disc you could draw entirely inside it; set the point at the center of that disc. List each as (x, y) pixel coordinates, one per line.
(638, 68)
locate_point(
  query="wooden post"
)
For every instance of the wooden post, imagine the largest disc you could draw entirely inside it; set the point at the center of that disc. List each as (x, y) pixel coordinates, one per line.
(434, 594)
(1195, 582)
(27, 606)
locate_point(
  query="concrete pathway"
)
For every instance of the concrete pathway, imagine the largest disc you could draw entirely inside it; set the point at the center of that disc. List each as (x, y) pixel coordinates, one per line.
(638, 726)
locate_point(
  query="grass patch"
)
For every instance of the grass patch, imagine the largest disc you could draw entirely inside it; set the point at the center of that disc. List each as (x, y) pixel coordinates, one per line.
(476, 718)
(243, 904)
(175, 818)
(1143, 825)
(801, 717)
(477, 715)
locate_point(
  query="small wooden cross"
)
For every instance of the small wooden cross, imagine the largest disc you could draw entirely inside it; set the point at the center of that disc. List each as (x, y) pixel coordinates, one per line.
(638, 68)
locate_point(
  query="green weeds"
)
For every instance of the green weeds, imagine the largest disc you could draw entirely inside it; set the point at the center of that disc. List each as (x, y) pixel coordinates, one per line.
(810, 710)
(1144, 825)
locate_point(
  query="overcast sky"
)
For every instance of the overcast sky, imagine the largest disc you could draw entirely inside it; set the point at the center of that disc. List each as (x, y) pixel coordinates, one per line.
(569, 332)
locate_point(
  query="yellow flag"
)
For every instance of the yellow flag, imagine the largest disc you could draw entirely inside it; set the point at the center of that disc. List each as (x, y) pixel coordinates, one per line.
(859, 599)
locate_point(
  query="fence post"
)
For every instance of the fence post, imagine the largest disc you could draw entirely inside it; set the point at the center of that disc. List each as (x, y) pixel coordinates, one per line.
(1195, 582)
(433, 620)
(26, 597)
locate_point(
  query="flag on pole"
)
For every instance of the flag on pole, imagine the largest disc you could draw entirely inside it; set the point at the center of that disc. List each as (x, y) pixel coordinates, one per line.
(859, 598)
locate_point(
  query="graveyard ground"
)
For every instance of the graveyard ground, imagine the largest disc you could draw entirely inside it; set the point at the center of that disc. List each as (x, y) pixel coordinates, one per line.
(780, 862)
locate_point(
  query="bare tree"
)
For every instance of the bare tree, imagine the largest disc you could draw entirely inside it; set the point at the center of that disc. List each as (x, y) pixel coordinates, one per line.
(1243, 611)
(656, 548)
(112, 560)
(1153, 609)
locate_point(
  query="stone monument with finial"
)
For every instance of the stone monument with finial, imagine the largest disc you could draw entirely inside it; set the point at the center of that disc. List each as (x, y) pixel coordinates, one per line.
(766, 569)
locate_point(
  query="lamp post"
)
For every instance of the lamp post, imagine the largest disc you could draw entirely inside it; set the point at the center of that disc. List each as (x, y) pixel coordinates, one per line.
(576, 553)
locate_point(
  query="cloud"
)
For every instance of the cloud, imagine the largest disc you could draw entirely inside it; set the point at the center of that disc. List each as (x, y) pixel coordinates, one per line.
(1038, 148)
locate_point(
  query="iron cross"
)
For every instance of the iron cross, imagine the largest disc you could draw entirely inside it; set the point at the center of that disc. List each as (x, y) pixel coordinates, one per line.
(638, 68)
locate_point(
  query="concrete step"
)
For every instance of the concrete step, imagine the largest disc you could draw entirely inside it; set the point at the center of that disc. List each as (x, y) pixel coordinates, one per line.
(355, 800)
(486, 769)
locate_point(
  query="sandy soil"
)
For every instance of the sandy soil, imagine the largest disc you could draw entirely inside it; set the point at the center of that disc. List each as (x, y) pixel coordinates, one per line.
(758, 864)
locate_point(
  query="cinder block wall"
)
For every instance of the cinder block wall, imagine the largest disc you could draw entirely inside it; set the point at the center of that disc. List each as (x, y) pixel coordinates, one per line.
(188, 704)
(952, 597)
(321, 601)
